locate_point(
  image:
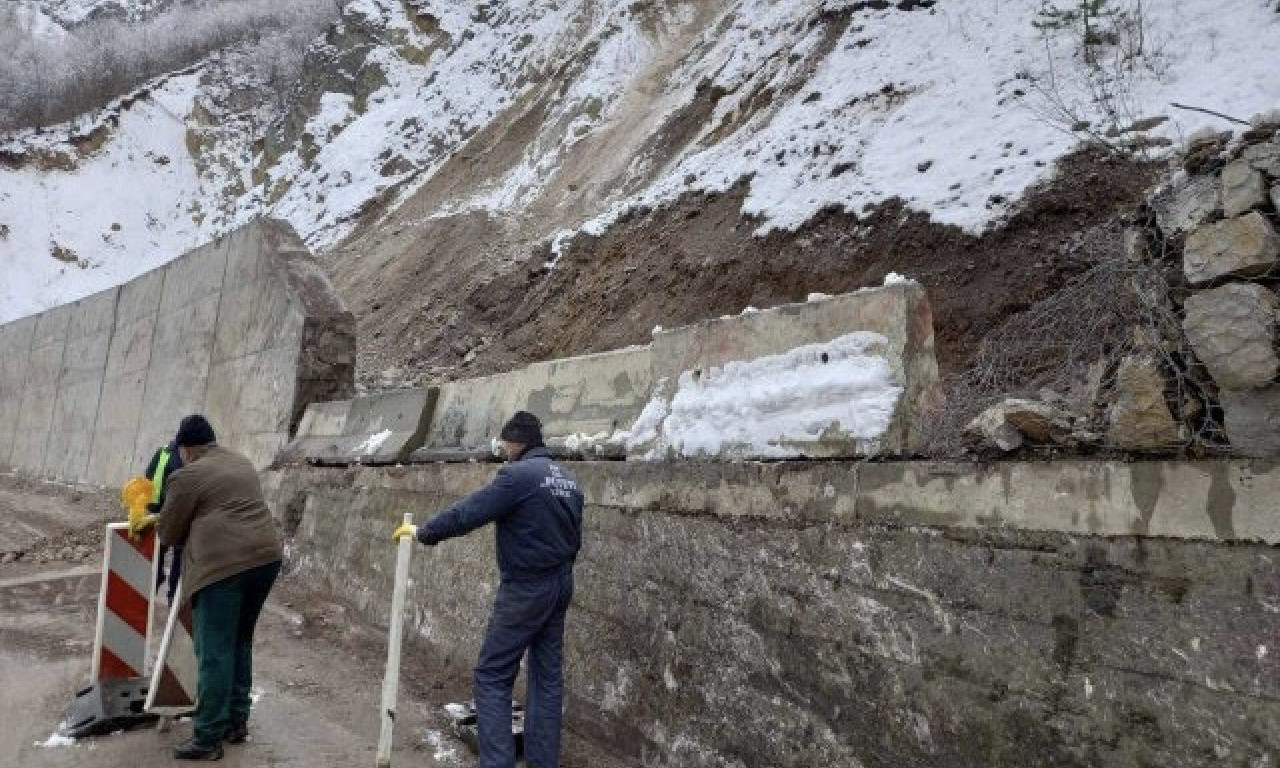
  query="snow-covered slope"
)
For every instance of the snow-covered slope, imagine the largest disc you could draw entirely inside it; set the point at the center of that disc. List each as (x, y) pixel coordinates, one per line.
(813, 103)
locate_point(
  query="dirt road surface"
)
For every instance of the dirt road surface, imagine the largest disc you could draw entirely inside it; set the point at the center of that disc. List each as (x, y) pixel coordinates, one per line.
(317, 678)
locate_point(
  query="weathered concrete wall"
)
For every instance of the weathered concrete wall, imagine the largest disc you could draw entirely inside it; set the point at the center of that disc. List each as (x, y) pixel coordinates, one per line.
(880, 615)
(587, 395)
(245, 329)
(593, 404)
(898, 312)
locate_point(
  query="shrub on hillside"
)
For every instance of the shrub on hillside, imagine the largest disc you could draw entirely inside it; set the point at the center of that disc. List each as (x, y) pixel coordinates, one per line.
(48, 78)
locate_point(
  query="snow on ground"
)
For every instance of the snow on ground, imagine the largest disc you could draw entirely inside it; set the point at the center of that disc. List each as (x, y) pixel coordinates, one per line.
(31, 18)
(772, 405)
(930, 106)
(66, 233)
(811, 103)
(56, 740)
(72, 12)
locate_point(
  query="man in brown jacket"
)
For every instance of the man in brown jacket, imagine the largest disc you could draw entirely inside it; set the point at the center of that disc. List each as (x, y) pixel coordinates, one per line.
(214, 507)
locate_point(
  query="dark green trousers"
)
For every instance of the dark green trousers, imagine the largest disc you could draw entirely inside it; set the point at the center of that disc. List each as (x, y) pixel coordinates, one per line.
(224, 616)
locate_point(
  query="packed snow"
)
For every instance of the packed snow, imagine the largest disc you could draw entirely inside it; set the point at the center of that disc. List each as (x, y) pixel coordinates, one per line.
(810, 104)
(371, 445)
(56, 740)
(772, 406)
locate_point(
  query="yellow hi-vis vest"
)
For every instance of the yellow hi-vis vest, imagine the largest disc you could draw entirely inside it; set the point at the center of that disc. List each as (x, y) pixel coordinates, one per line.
(157, 479)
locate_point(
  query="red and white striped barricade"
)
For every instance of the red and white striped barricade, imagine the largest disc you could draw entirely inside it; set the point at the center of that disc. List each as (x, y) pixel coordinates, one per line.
(173, 682)
(118, 685)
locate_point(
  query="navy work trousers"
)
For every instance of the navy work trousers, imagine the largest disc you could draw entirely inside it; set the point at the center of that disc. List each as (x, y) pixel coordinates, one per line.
(527, 616)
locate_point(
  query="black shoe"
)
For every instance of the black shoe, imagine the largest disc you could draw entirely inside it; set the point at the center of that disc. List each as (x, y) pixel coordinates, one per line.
(237, 734)
(194, 750)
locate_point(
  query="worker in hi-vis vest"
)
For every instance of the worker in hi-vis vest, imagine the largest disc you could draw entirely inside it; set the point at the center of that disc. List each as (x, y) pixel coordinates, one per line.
(164, 462)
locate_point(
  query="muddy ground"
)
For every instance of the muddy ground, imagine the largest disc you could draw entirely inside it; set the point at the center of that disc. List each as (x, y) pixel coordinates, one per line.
(465, 295)
(318, 674)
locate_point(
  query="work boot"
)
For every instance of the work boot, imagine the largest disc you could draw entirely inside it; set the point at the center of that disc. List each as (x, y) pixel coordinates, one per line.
(237, 733)
(194, 750)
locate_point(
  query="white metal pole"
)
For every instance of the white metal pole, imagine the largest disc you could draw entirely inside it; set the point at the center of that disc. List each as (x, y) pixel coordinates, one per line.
(391, 678)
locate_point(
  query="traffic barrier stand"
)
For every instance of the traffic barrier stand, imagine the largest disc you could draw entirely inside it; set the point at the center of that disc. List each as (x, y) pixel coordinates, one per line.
(172, 692)
(116, 695)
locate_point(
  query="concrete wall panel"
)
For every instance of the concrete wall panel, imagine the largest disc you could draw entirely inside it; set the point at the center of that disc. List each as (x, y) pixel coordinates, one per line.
(591, 395)
(15, 352)
(88, 390)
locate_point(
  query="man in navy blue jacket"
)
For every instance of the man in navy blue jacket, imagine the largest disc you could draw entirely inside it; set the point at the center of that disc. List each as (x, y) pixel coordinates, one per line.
(537, 508)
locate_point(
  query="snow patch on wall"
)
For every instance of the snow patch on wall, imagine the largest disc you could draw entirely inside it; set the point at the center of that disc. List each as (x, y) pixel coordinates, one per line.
(773, 406)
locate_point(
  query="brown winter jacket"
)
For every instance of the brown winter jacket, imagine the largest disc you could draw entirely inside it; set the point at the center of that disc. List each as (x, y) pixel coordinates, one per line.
(214, 508)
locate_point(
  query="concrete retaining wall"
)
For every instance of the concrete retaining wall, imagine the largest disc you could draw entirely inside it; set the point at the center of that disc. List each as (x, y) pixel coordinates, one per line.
(246, 330)
(591, 403)
(1033, 614)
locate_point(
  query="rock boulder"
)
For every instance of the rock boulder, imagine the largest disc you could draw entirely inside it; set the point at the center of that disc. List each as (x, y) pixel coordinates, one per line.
(1139, 417)
(1252, 420)
(1243, 247)
(1233, 331)
(1006, 425)
(1186, 204)
(1243, 188)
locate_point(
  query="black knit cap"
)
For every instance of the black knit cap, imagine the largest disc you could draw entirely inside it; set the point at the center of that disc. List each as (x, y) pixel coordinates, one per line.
(523, 428)
(194, 430)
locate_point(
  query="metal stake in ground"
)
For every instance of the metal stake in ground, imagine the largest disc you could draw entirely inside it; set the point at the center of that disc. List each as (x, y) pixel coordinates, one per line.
(391, 678)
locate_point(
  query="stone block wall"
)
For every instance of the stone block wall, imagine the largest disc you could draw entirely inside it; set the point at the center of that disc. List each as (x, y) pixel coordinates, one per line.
(245, 329)
(1231, 263)
(881, 615)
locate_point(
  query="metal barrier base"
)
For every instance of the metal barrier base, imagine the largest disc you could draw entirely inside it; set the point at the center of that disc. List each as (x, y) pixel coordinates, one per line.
(105, 707)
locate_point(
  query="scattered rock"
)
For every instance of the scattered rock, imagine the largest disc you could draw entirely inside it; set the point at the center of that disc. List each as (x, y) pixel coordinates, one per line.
(1242, 247)
(1243, 188)
(1005, 425)
(1233, 331)
(1263, 157)
(991, 428)
(1184, 205)
(1204, 152)
(63, 253)
(1252, 420)
(1147, 123)
(8, 557)
(1137, 245)
(1139, 417)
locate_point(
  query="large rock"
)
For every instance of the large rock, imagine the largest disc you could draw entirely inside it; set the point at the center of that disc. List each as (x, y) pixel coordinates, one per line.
(1233, 331)
(1006, 424)
(1139, 417)
(1252, 420)
(992, 428)
(1244, 247)
(1243, 188)
(1264, 157)
(1186, 204)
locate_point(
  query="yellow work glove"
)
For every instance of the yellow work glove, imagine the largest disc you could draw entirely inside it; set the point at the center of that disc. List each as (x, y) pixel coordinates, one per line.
(135, 494)
(138, 524)
(405, 529)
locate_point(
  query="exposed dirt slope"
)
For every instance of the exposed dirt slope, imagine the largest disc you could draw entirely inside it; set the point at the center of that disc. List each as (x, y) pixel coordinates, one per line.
(429, 294)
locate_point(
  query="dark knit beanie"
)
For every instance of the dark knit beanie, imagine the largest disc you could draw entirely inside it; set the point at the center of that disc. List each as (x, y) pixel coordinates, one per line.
(194, 430)
(523, 428)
